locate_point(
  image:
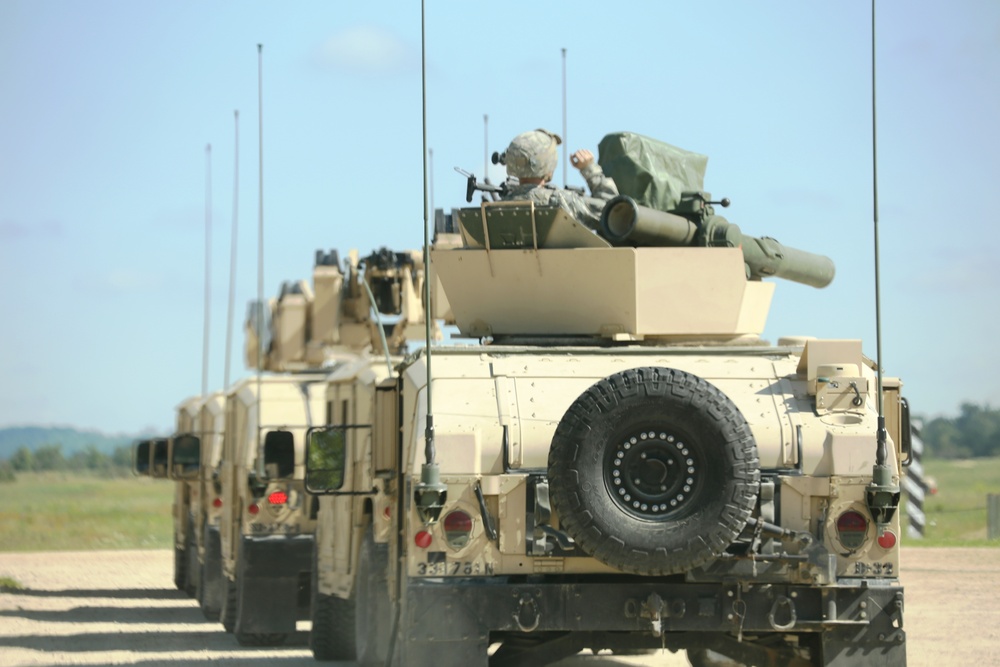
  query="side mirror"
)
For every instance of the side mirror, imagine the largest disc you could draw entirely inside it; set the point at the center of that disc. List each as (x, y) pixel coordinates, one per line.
(326, 459)
(185, 456)
(906, 432)
(141, 458)
(159, 458)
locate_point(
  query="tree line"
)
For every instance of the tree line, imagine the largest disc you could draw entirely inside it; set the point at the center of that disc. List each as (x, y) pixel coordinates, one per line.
(52, 458)
(975, 432)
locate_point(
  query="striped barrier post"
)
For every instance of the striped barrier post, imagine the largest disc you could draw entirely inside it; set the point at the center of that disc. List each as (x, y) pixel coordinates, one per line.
(916, 489)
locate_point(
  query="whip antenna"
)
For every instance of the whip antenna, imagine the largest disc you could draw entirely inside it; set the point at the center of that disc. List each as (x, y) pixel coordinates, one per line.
(430, 494)
(208, 269)
(882, 494)
(565, 140)
(232, 251)
(260, 230)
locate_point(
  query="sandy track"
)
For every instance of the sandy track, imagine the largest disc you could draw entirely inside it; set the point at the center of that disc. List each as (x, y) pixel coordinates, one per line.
(120, 607)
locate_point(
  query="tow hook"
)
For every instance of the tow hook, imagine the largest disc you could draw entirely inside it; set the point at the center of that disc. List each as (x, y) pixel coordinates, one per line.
(779, 602)
(527, 616)
(654, 608)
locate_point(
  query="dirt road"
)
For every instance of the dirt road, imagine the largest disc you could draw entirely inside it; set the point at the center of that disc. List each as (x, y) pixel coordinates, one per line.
(120, 607)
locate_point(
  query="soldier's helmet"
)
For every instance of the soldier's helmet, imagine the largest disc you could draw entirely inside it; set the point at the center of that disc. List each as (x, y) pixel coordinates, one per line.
(532, 154)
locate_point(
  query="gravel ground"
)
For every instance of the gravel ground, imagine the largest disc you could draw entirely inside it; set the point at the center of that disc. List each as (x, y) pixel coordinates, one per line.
(120, 608)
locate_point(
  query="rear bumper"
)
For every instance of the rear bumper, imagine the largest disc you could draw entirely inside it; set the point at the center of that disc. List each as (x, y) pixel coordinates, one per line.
(866, 614)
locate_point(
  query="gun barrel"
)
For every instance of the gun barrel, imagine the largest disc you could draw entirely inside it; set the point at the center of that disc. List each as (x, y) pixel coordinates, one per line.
(623, 221)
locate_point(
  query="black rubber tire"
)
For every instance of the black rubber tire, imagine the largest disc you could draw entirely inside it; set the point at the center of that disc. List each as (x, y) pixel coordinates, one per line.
(228, 613)
(373, 610)
(333, 632)
(653, 471)
(192, 571)
(180, 568)
(209, 612)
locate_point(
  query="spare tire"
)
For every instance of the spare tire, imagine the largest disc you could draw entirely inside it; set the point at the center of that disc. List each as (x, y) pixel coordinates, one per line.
(653, 471)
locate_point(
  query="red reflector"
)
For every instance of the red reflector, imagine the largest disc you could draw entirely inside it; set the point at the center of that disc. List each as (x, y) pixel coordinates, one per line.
(851, 522)
(387, 512)
(253, 509)
(278, 498)
(458, 522)
(217, 502)
(887, 540)
(422, 539)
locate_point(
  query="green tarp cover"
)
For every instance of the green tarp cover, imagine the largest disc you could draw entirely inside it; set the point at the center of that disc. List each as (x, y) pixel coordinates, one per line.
(652, 172)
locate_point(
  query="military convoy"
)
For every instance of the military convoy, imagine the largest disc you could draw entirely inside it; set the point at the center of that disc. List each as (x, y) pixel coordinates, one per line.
(616, 460)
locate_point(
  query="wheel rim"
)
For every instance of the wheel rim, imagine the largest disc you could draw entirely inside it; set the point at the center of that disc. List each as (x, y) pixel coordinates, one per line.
(654, 473)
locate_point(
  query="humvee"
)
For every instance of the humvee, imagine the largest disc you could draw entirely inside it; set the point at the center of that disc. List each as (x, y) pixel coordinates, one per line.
(267, 522)
(209, 431)
(195, 450)
(384, 283)
(183, 464)
(622, 463)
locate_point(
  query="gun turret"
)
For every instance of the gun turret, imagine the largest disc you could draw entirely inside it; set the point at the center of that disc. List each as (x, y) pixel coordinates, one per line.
(306, 327)
(626, 223)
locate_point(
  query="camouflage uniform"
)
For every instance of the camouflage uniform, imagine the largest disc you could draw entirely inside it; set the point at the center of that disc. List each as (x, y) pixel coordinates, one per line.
(534, 155)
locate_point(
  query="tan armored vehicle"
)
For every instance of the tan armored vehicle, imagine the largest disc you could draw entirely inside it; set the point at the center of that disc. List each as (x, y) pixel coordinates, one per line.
(183, 449)
(211, 427)
(267, 522)
(391, 284)
(195, 451)
(623, 465)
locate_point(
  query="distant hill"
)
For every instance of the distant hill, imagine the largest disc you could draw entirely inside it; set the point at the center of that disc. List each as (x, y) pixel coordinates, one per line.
(71, 439)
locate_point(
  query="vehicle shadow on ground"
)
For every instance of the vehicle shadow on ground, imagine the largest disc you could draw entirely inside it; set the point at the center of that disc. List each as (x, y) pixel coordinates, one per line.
(146, 642)
(159, 615)
(118, 593)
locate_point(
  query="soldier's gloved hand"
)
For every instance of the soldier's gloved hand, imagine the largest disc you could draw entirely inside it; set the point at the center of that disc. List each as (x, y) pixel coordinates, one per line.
(582, 159)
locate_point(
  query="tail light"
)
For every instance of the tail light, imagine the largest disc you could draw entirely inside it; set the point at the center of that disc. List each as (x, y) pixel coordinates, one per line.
(887, 539)
(852, 527)
(277, 498)
(457, 528)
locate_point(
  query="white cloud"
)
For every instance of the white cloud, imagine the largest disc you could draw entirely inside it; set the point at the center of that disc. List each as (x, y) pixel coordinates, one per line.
(367, 50)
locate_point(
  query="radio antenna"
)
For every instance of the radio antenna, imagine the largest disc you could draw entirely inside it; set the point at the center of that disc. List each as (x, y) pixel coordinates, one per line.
(232, 250)
(486, 147)
(882, 494)
(565, 139)
(430, 494)
(208, 269)
(260, 230)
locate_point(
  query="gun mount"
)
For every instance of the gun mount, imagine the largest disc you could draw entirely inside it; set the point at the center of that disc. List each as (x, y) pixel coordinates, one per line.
(527, 270)
(307, 327)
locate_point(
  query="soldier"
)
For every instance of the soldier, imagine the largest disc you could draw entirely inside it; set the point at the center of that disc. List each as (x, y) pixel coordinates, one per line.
(532, 157)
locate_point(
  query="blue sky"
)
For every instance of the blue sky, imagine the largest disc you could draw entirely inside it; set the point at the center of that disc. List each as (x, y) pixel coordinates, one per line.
(107, 107)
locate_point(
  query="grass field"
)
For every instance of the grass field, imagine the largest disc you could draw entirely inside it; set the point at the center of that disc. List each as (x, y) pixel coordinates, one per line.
(75, 511)
(956, 514)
